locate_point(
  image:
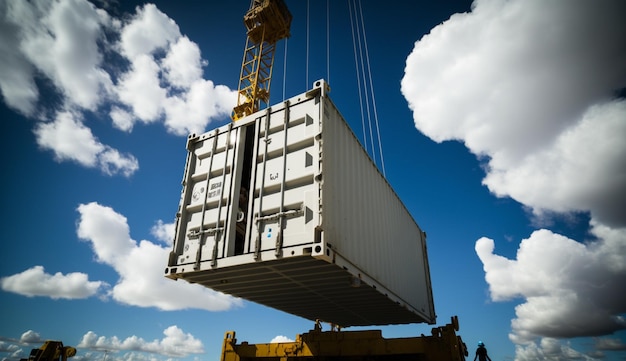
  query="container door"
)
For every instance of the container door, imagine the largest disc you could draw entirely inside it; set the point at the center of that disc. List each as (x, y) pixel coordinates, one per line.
(206, 223)
(286, 193)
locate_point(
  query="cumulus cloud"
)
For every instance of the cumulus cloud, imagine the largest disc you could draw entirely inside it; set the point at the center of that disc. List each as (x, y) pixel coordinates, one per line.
(17, 85)
(583, 170)
(187, 112)
(59, 39)
(149, 30)
(183, 64)
(140, 265)
(30, 336)
(164, 232)
(281, 338)
(111, 162)
(610, 344)
(168, 87)
(8, 347)
(571, 289)
(69, 139)
(549, 349)
(122, 119)
(175, 343)
(141, 90)
(36, 282)
(530, 88)
(157, 75)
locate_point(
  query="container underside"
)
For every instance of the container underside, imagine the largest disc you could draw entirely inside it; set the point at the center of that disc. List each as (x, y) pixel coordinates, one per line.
(307, 287)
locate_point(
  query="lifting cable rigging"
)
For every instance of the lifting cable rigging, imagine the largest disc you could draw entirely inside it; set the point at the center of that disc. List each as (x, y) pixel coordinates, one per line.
(308, 32)
(308, 11)
(364, 82)
(367, 101)
(285, 72)
(328, 41)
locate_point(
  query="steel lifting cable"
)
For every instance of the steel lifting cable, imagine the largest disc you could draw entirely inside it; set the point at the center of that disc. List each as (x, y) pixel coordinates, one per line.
(358, 76)
(328, 41)
(307, 45)
(369, 72)
(285, 71)
(359, 28)
(308, 42)
(359, 24)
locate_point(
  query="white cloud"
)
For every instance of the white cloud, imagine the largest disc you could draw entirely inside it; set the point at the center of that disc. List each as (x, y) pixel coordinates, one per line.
(122, 119)
(140, 89)
(64, 42)
(111, 162)
(610, 344)
(8, 347)
(15, 355)
(61, 43)
(190, 112)
(549, 349)
(281, 338)
(164, 231)
(30, 336)
(176, 343)
(16, 73)
(111, 228)
(149, 30)
(183, 64)
(36, 282)
(168, 87)
(140, 266)
(570, 289)
(584, 170)
(69, 139)
(528, 86)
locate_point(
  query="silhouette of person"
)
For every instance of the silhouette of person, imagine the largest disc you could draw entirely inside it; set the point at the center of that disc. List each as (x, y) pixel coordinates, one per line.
(481, 352)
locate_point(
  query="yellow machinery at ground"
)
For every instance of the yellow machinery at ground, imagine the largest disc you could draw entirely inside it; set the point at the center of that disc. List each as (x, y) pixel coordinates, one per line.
(51, 351)
(267, 21)
(315, 345)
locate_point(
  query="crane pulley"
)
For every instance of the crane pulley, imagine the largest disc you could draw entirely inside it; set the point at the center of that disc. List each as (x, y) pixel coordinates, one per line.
(267, 22)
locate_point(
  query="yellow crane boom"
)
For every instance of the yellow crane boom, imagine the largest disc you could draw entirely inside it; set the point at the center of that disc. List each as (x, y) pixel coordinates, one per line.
(267, 21)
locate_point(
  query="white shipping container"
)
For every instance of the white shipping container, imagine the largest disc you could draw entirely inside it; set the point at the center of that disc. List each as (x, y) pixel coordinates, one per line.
(286, 208)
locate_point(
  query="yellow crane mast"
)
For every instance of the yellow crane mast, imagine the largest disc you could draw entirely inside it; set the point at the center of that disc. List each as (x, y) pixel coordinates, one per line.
(267, 21)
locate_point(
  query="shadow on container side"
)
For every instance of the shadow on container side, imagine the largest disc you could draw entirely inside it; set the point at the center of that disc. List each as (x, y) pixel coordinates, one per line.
(442, 345)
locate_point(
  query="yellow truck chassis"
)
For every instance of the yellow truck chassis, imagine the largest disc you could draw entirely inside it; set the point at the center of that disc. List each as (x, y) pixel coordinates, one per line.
(443, 344)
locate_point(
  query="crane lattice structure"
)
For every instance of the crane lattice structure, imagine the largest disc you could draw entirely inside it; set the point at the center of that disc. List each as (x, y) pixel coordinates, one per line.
(267, 21)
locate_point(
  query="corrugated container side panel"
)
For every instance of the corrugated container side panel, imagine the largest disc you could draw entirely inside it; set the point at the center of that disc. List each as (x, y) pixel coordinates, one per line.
(370, 225)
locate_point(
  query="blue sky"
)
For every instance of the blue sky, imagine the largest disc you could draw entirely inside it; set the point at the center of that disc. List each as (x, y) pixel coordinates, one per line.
(502, 125)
